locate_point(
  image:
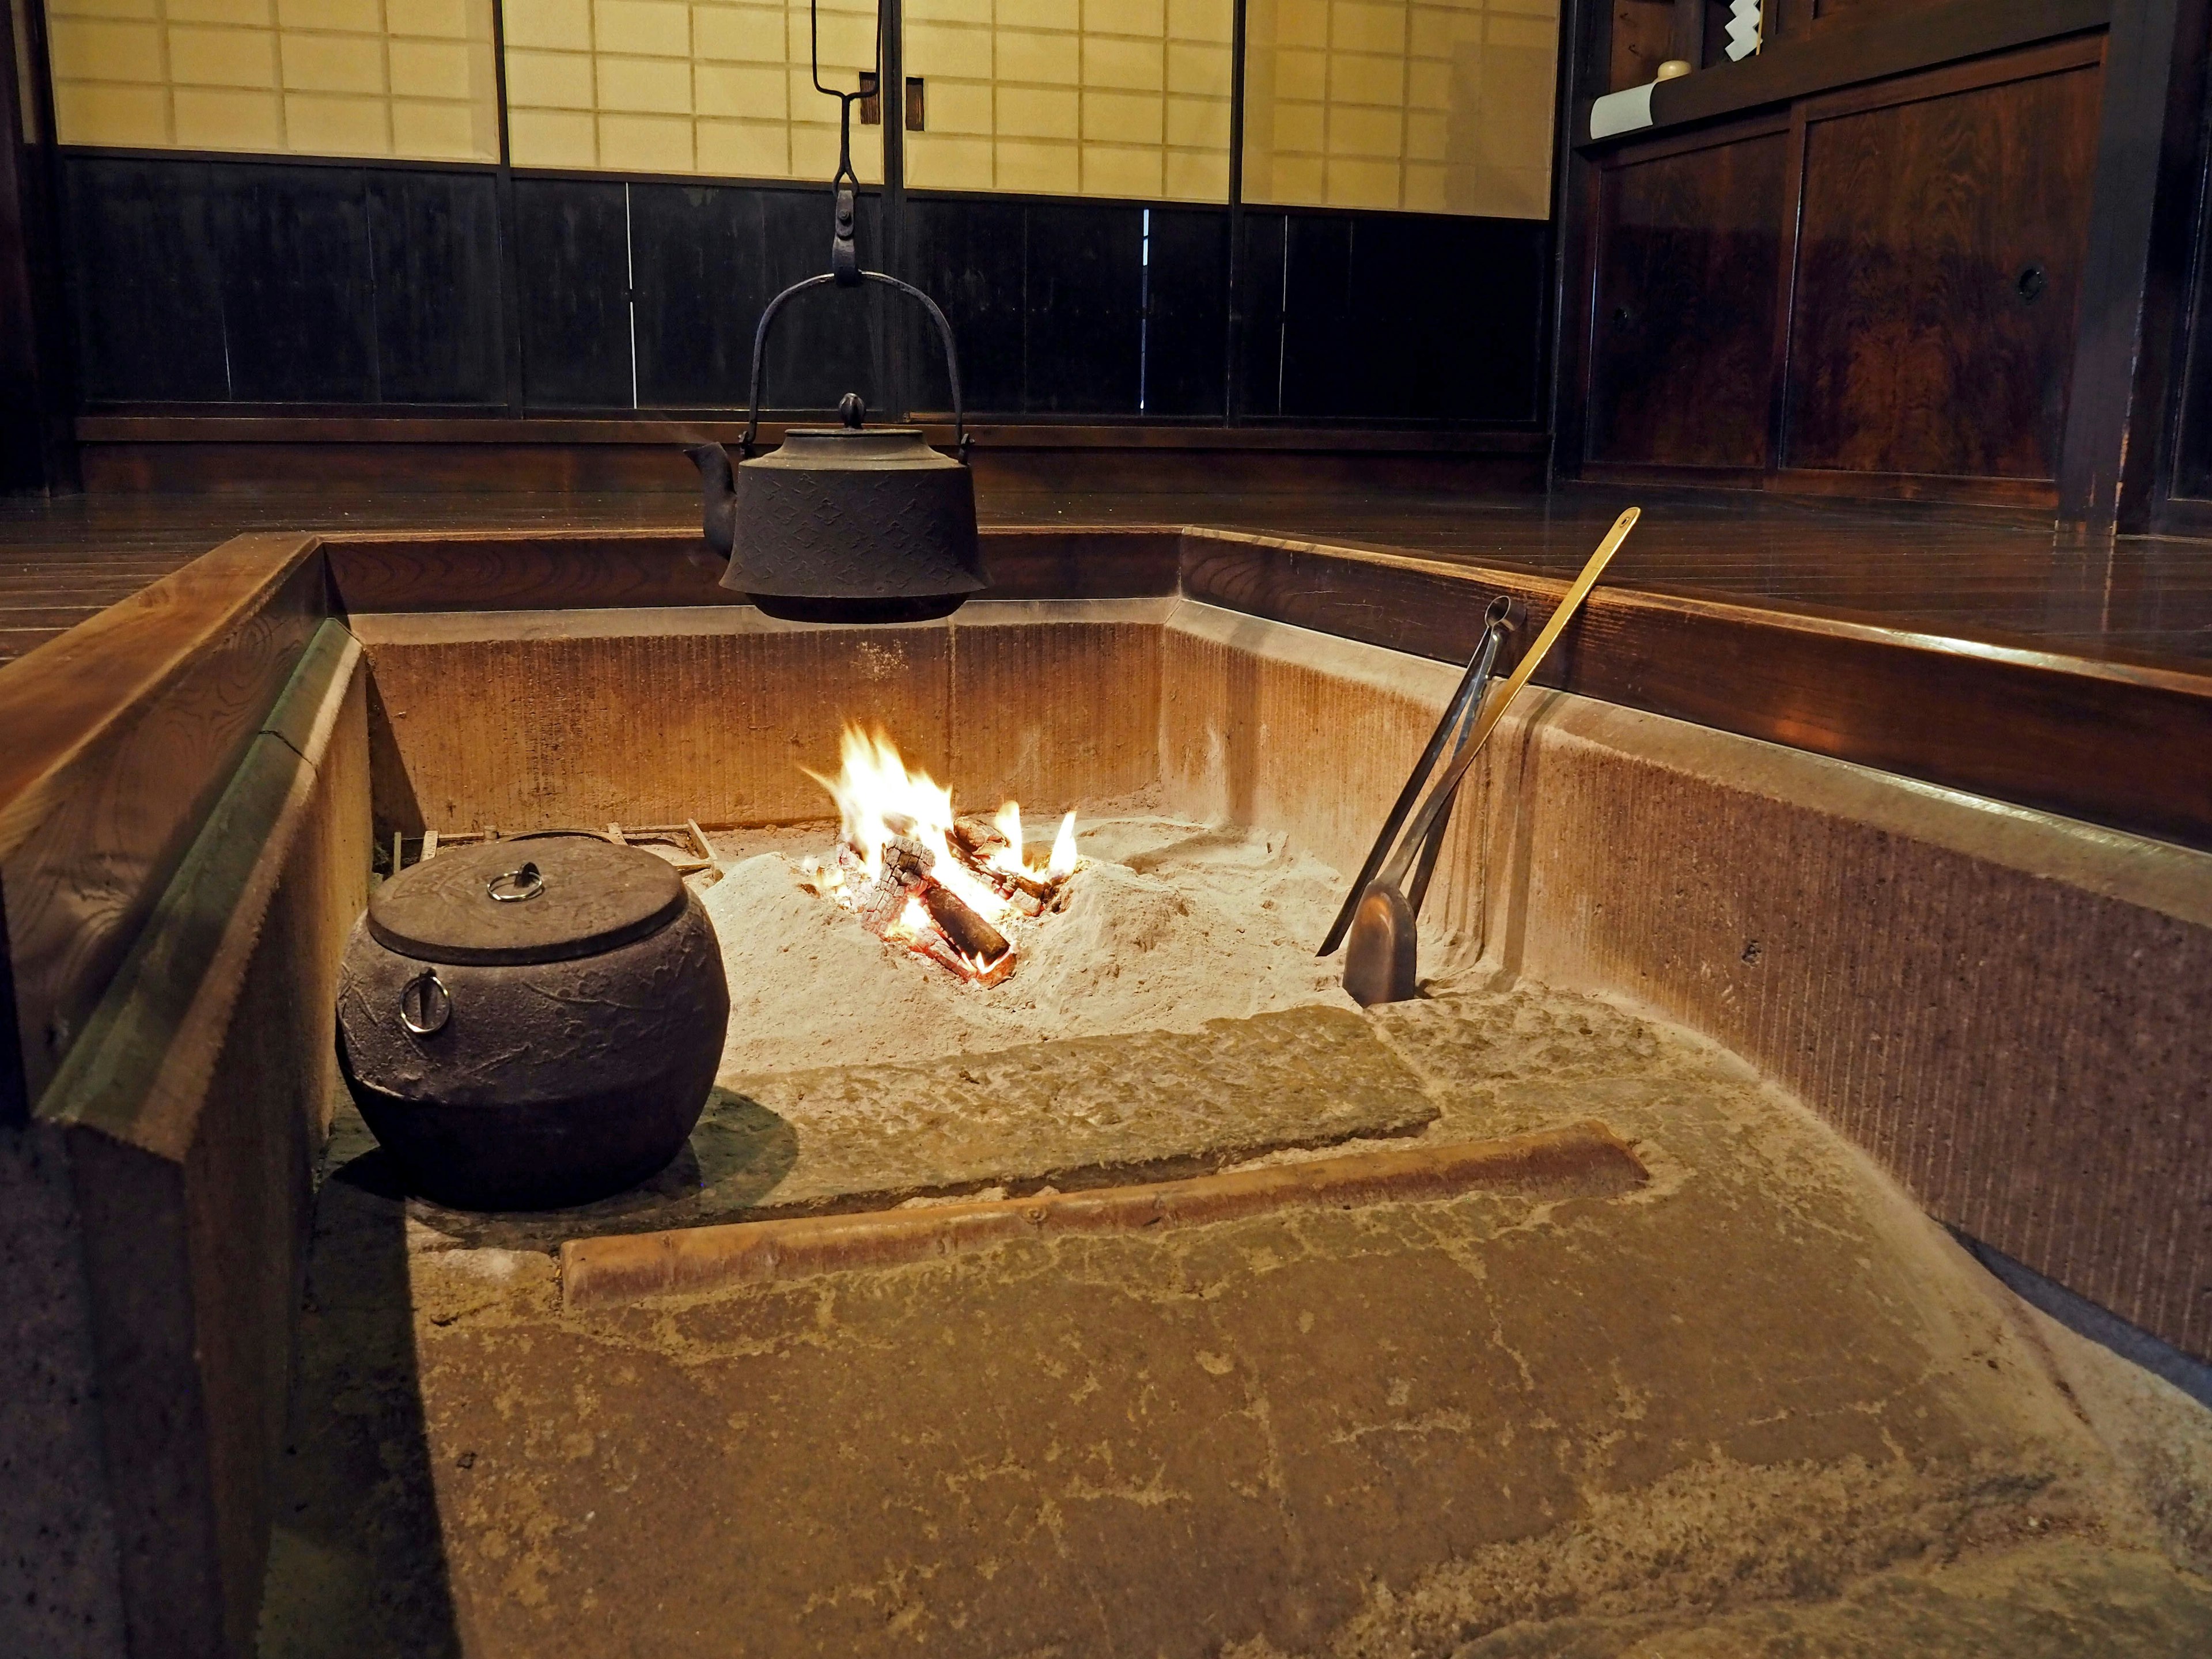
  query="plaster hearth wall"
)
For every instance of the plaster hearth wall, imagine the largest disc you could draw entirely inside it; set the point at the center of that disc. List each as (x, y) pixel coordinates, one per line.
(2011, 1012)
(525, 720)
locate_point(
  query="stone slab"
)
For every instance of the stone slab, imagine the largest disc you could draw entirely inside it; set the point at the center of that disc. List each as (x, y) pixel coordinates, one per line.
(1078, 1112)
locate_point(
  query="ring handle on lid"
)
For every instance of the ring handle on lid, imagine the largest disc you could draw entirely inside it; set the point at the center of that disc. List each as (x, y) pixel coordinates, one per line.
(513, 886)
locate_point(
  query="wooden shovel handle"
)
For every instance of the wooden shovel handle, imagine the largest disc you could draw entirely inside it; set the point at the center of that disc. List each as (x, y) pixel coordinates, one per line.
(1494, 710)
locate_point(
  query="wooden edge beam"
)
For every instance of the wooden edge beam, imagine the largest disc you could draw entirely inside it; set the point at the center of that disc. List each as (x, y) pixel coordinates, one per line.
(1584, 1159)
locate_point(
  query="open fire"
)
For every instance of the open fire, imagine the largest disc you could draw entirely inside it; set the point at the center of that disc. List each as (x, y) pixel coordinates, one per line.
(957, 890)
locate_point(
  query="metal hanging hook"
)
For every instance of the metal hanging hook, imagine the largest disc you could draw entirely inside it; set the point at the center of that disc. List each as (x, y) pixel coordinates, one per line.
(844, 259)
(844, 256)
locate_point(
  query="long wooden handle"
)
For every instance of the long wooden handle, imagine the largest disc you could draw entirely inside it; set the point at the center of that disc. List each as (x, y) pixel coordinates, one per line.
(1526, 668)
(1494, 710)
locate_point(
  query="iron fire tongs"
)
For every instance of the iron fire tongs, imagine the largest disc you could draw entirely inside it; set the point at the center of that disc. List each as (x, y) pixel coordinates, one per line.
(1456, 726)
(844, 256)
(1429, 821)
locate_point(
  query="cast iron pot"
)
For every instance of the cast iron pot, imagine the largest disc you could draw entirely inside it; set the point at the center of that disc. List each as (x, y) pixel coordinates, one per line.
(531, 1023)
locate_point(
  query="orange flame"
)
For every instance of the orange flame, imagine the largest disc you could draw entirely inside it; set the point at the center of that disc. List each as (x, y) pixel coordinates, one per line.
(879, 796)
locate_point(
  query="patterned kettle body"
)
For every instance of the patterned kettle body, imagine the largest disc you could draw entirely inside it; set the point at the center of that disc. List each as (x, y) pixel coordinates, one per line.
(854, 512)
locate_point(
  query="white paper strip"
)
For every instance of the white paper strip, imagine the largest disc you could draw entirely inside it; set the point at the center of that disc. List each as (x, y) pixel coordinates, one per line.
(1742, 29)
(1621, 111)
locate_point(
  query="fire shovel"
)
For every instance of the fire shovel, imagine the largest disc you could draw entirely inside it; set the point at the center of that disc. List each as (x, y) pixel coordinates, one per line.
(1380, 963)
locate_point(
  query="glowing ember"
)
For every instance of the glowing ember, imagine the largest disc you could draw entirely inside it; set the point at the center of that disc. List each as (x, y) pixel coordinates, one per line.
(917, 875)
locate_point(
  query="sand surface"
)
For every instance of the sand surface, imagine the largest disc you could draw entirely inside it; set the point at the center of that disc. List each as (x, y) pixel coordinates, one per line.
(1168, 925)
(1760, 1407)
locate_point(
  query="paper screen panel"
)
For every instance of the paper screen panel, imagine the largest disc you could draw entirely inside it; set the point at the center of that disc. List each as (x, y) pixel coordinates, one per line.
(718, 87)
(1120, 98)
(411, 78)
(1429, 105)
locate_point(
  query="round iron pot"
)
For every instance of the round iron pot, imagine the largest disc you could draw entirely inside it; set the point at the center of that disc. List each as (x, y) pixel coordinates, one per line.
(532, 1023)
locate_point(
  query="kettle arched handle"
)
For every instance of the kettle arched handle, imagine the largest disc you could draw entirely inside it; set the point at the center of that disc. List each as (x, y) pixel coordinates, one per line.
(944, 333)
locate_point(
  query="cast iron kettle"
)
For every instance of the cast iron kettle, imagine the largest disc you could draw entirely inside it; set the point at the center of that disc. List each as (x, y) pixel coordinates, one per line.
(849, 523)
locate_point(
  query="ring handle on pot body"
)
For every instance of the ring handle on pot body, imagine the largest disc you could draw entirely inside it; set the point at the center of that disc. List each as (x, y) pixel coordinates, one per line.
(425, 1004)
(960, 442)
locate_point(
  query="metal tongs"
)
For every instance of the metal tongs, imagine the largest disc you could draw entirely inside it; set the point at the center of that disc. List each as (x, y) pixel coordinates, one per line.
(1382, 964)
(1454, 729)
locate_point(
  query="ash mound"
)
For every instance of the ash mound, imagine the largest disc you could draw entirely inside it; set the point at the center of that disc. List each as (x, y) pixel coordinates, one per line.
(1167, 925)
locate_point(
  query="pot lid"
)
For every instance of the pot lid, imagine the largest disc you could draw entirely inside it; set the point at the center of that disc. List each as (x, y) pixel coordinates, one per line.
(871, 448)
(532, 898)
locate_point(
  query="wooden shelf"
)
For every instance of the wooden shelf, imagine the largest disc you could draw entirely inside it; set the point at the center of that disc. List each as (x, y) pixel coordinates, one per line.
(661, 430)
(1845, 54)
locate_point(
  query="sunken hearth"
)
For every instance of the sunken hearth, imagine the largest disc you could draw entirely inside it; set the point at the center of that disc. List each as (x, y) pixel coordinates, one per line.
(1120, 1286)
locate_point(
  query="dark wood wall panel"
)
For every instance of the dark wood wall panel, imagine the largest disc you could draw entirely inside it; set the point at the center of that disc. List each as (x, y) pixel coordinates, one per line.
(1448, 317)
(969, 254)
(702, 282)
(1187, 323)
(572, 242)
(1942, 247)
(299, 313)
(251, 282)
(1072, 308)
(829, 341)
(1682, 344)
(1259, 305)
(1085, 309)
(276, 282)
(1392, 316)
(1318, 360)
(2193, 438)
(708, 257)
(434, 266)
(145, 284)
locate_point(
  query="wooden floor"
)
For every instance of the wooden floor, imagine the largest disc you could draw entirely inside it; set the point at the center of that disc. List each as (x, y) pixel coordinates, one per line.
(1988, 577)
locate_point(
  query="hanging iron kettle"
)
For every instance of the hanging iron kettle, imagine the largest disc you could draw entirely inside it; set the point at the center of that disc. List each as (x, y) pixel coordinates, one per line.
(847, 523)
(854, 523)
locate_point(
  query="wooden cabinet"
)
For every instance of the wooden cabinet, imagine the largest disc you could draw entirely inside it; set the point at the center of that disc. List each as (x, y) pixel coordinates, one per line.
(1938, 273)
(1689, 263)
(1874, 290)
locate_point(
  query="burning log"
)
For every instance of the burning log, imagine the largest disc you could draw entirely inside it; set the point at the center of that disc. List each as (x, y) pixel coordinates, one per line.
(946, 886)
(882, 900)
(910, 858)
(973, 937)
(976, 839)
(1039, 888)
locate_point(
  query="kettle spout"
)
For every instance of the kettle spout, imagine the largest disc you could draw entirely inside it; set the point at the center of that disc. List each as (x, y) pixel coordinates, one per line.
(719, 483)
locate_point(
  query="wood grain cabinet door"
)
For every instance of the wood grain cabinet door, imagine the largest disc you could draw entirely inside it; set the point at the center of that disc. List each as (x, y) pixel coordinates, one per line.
(1942, 242)
(1682, 340)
